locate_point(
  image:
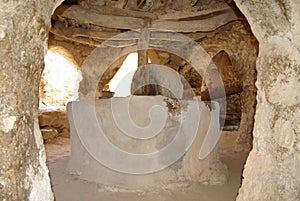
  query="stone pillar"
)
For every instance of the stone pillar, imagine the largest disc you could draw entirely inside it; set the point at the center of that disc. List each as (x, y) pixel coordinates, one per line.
(24, 28)
(141, 77)
(272, 169)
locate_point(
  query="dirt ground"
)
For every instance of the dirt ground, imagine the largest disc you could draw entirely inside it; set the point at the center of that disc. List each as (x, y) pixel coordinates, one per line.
(67, 187)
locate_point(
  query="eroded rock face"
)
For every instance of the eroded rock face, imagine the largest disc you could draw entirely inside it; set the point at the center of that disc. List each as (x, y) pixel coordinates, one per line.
(24, 27)
(272, 169)
(241, 49)
(54, 124)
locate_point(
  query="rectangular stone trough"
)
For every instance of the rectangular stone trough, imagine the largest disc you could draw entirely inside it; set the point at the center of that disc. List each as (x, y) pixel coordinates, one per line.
(144, 142)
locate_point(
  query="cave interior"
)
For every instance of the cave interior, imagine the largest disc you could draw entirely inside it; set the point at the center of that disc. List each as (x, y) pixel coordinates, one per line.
(242, 55)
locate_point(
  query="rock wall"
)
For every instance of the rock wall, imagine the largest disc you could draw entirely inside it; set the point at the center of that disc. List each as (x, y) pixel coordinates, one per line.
(54, 124)
(272, 169)
(241, 47)
(24, 28)
(239, 43)
(77, 52)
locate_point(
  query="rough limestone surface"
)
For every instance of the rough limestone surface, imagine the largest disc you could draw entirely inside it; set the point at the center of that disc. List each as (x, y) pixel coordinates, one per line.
(54, 124)
(241, 46)
(238, 42)
(24, 27)
(272, 169)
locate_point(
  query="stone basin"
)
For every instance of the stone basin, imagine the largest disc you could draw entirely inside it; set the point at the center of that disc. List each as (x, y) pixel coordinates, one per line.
(144, 142)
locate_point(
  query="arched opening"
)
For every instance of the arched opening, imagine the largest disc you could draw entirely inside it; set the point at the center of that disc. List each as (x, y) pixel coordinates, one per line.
(213, 42)
(272, 167)
(59, 85)
(59, 81)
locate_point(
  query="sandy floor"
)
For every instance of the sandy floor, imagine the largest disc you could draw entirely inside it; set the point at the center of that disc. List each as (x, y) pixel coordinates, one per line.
(69, 188)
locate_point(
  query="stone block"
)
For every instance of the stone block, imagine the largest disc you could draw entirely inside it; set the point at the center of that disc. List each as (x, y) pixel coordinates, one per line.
(144, 142)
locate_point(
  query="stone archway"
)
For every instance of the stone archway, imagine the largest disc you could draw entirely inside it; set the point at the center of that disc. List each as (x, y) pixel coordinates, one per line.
(271, 169)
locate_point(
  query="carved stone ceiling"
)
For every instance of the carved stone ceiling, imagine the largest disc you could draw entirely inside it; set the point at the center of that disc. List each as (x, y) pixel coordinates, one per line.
(90, 22)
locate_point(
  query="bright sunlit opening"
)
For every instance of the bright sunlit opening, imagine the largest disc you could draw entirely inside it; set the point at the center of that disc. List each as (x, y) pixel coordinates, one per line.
(59, 81)
(121, 82)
